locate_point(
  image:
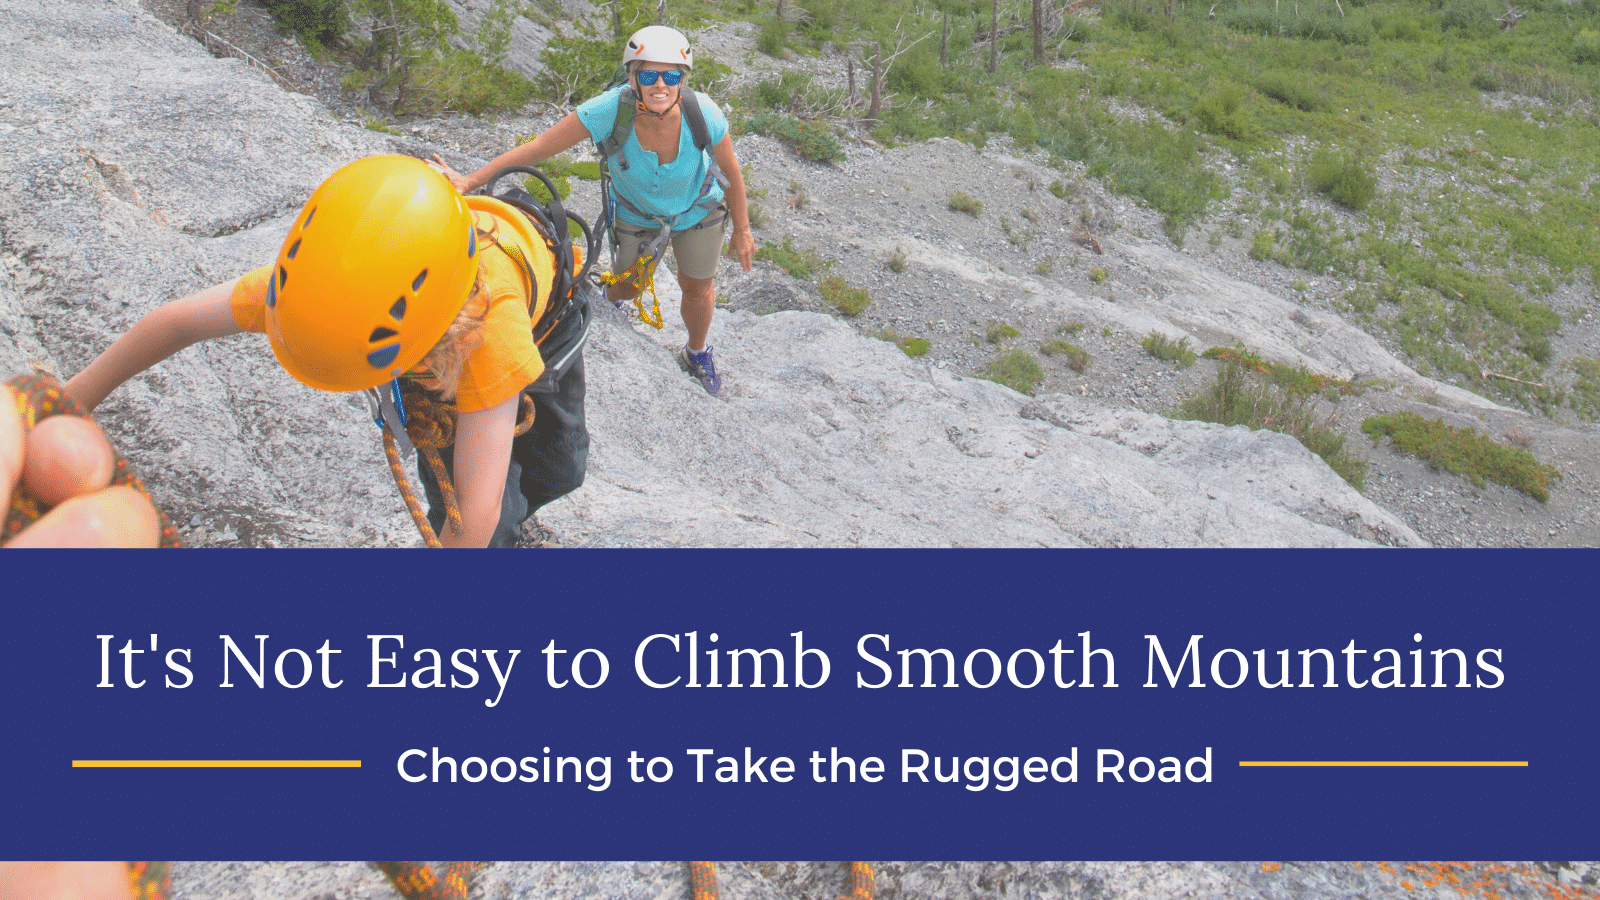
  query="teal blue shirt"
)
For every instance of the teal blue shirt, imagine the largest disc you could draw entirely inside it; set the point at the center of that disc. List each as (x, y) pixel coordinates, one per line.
(664, 190)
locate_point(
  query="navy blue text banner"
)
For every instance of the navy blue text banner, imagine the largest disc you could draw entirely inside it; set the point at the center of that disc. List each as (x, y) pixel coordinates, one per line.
(801, 705)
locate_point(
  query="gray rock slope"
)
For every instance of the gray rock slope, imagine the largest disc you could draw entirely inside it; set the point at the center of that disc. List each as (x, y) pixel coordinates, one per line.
(919, 880)
(134, 168)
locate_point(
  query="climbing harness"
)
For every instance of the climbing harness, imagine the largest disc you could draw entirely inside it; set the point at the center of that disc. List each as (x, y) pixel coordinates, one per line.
(412, 417)
(37, 398)
(639, 278)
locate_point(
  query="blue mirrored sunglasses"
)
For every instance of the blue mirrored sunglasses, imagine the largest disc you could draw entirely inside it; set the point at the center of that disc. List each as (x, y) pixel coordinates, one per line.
(647, 77)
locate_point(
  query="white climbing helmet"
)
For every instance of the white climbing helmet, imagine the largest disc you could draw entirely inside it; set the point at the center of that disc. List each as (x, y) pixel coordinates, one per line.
(659, 44)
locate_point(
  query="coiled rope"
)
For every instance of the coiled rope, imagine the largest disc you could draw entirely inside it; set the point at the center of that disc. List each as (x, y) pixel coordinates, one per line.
(431, 426)
(641, 278)
(39, 397)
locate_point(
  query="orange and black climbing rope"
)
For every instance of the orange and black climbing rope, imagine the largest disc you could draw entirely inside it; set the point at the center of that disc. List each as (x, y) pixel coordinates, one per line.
(38, 398)
(150, 880)
(431, 425)
(418, 881)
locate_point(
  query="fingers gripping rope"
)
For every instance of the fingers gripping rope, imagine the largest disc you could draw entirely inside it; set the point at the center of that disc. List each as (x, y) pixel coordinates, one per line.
(39, 398)
(418, 881)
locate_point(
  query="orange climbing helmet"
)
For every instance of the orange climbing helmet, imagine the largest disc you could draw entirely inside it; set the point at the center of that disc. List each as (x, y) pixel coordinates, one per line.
(375, 268)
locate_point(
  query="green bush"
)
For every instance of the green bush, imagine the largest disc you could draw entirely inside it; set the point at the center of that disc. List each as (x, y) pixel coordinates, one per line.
(1221, 112)
(1077, 357)
(960, 202)
(1263, 245)
(910, 346)
(318, 23)
(795, 263)
(1470, 17)
(810, 139)
(576, 68)
(774, 37)
(1586, 46)
(1347, 180)
(1292, 91)
(1239, 397)
(1018, 370)
(849, 301)
(1464, 451)
(1162, 347)
(1488, 79)
(999, 331)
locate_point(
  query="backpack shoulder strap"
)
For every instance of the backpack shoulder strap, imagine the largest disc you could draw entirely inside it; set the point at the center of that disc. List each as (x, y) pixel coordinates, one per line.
(621, 128)
(696, 119)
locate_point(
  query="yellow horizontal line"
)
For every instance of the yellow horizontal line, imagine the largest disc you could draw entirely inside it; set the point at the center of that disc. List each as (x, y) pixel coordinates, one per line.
(216, 764)
(1382, 763)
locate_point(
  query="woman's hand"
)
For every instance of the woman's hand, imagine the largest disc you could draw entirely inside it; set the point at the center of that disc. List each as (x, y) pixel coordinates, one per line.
(67, 461)
(742, 246)
(458, 180)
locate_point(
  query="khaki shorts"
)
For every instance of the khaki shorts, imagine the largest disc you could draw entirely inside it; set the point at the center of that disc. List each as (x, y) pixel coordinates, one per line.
(696, 250)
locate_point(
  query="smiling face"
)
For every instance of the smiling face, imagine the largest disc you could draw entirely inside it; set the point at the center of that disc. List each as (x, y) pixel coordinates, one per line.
(659, 97)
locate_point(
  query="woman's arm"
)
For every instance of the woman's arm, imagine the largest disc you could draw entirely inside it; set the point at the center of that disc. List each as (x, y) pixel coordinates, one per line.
(563, 135)
(164, 331)
(482, 458)
(742, 244)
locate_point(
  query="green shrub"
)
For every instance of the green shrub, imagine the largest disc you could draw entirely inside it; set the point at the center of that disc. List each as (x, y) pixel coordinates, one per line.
(1239, 397)
(1263, 245)
(849, 301)
(1488, 79)
(1077, 357)
(1018, 370)
(1160, 346)
(1586, 47)
(796, 263)
(1292, 91)
(1221, 112)
(910, 346)
(898, 263)
(774, 37)
(1470, 17)
(1464, 451)
(999, 331)
(777, 94)
(318, 23)
(972, 206)
(1347, 180)
(1098, 274)
(810, 139)
(1069, 327)
(576, 68)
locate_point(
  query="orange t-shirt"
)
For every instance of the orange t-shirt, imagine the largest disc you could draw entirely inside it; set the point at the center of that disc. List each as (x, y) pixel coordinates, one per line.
(507, 360)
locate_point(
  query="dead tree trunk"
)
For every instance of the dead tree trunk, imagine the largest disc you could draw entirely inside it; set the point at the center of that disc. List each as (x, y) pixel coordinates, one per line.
(994, 35)
(944, 39)
(661, 12)
(616, 19)
(876, 102)
(1038, 31)
(850, 64)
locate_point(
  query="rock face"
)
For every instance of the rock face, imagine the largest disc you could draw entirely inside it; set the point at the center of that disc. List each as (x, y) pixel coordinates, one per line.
(920, 880)
(137, 168)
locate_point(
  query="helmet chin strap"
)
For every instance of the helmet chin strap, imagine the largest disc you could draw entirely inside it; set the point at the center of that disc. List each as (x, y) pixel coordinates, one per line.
(662, 115)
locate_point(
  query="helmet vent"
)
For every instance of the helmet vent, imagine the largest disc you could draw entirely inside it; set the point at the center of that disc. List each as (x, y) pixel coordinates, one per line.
(398, 310)
(307, 222)
(416, 284)
(472, 241)
(283, 277)
(383, 356)
(381, 333)
(272, 293)
(294, 249)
